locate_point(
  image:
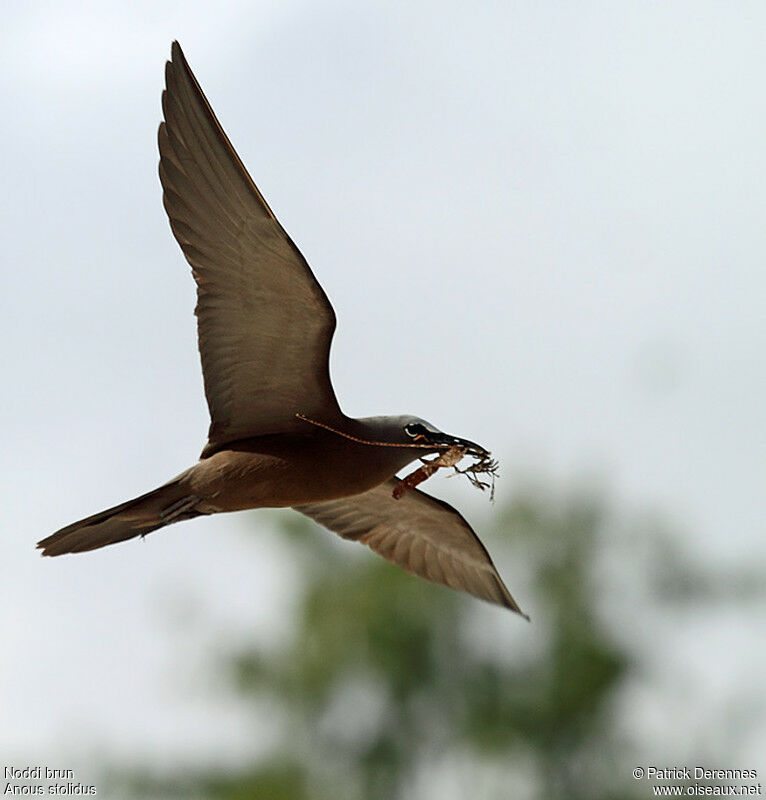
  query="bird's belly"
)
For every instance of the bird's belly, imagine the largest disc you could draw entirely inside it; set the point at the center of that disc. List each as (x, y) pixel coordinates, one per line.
(233, 481)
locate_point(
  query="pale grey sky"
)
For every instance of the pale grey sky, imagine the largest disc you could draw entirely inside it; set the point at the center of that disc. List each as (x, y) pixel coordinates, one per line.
(562, 203)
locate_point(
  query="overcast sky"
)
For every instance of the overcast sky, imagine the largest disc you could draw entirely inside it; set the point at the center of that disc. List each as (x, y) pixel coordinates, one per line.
(541, 226)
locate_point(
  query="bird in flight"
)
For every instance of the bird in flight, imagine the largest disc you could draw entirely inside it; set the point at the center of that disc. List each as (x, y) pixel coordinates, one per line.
(277, 436)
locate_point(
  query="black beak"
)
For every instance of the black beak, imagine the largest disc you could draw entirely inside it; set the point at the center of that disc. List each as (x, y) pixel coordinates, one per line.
(445, 440)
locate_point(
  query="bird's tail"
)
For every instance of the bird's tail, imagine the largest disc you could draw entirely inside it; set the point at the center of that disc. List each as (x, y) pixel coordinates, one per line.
(169, 503)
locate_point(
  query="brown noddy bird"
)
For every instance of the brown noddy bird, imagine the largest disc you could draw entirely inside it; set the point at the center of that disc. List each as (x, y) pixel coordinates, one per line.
(277, 436)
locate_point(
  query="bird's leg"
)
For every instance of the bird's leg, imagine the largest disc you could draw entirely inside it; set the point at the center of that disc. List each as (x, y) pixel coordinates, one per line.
(175, 510)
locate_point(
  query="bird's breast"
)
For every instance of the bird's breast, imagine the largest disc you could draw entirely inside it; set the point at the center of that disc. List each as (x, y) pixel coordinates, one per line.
(279, 471)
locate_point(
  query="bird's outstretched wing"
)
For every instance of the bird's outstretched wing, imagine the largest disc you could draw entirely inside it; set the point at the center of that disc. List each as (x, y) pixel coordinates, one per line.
(419, 533)
(264, 322)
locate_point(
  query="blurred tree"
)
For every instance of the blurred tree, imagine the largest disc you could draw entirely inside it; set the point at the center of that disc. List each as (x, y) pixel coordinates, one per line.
(385, 682)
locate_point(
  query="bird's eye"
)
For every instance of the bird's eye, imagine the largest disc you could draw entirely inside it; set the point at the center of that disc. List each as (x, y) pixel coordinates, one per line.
(414, 430)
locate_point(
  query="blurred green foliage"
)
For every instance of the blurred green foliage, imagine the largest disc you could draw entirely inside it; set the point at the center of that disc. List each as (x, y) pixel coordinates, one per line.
(387, 683)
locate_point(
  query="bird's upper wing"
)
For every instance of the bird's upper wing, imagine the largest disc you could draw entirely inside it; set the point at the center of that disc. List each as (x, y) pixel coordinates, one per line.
(264, 322)
(419, 533)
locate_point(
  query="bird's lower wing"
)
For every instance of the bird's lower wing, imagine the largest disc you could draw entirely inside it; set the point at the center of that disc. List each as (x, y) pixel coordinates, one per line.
(418, 533)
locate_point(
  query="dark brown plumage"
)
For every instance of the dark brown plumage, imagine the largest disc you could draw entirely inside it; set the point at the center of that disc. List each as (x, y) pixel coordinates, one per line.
(277, 435)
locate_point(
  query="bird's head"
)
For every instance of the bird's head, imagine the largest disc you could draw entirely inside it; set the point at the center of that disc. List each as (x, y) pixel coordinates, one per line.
(417, 433)
(420, 432)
